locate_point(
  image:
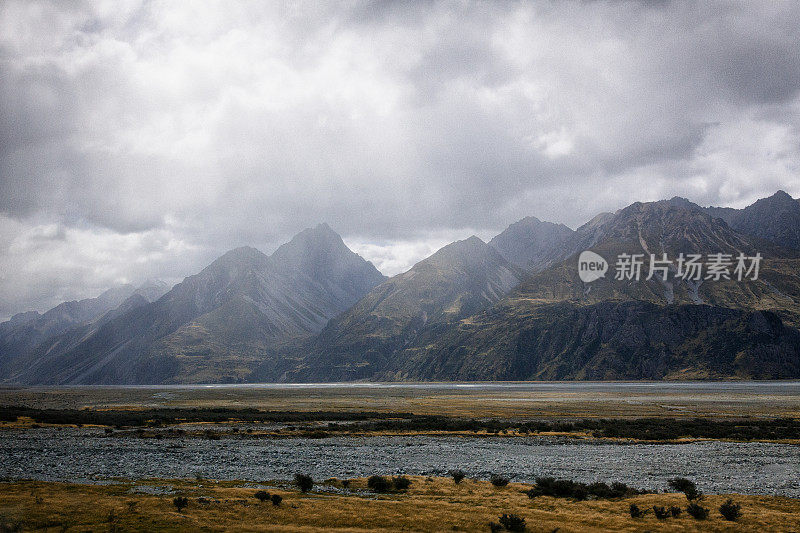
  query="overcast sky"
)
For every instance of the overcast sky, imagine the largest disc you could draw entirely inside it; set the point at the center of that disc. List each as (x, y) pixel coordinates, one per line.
(143, 139)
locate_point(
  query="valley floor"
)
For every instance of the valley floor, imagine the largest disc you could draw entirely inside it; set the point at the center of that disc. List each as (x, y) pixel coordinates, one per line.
(715, 399)
(430, 504)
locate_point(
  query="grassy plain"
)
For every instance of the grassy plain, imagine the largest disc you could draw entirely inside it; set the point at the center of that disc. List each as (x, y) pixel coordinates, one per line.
(550, 400)
(431, 504)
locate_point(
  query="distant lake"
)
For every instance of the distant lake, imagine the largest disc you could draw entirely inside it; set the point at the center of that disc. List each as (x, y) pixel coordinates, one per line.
(86, 455)
(761, 387)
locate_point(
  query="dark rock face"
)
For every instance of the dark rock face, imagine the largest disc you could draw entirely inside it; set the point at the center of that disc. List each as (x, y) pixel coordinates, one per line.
(775, 219)
(613, 340)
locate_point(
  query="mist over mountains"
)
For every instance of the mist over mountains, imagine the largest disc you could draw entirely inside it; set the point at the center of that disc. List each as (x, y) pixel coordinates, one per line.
(510, 309)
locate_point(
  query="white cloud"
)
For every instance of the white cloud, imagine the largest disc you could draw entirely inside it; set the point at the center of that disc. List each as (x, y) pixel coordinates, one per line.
(393, 257)
(140, 125)
(45, 264)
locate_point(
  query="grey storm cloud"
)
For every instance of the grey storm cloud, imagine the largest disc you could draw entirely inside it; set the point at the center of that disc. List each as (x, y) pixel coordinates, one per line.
(141, 139)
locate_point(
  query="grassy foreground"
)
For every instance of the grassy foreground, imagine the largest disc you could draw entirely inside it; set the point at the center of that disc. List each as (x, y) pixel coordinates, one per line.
(430, 504)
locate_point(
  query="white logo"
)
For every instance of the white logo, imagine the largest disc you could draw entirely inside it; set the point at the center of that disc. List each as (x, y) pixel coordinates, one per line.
(591, 266)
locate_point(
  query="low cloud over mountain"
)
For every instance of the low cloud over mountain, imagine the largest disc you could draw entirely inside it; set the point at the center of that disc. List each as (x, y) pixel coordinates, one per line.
(145, 139)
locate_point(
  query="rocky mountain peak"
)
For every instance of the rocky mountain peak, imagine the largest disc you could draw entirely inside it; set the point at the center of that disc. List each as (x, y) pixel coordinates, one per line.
(780, 199)
(775, 219)
(320, 239)
(459, 252)
(321, 254)
(529, 243)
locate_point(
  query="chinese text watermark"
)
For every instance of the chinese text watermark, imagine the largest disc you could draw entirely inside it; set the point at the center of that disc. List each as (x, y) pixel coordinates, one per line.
(689, 267)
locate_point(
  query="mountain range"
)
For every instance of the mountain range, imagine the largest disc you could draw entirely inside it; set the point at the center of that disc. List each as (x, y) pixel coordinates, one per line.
(514, 308)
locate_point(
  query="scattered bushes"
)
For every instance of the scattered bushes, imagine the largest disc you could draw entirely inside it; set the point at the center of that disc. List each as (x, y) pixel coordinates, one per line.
(458, 476)
(660, 512)
(512, 522)
(681, 484)
(698, 512)
(694, 510)
(162, 416)
(264, 496)
(304, 482)
(730, 511)
(180, 502)
(499, 481)
(645, 428)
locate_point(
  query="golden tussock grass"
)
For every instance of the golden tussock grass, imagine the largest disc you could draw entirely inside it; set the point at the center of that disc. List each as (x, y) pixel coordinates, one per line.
(431, 504)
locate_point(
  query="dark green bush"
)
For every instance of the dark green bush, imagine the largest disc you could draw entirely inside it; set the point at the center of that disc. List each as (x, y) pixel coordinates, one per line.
(681, 484)
(698, 512)
(378, 484)
(661, 512)
(635, 511)
(458, 476)
(180, 502)
(675, 511)
(730, 511)
(499, 481)
(262, 495)
(564, 488)
(600, 490)
(401, 483)
(276, 499)
(304, 482)
(513, 522)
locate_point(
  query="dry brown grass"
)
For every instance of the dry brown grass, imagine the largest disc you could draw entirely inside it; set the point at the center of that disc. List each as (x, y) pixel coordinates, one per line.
(430, 505)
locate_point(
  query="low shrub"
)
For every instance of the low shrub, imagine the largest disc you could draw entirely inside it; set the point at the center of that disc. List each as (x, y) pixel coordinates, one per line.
(262, 495)
(378, 484)
(512, 522)
(564, 488)
(675, 511)
(698, 512)
(180, 503)
(730, 511)
(401, 483)
(635, 511)
(660, 512)
(304, 482)
(499, 481)
(276, 499)
(458, 476)
(681, 484)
